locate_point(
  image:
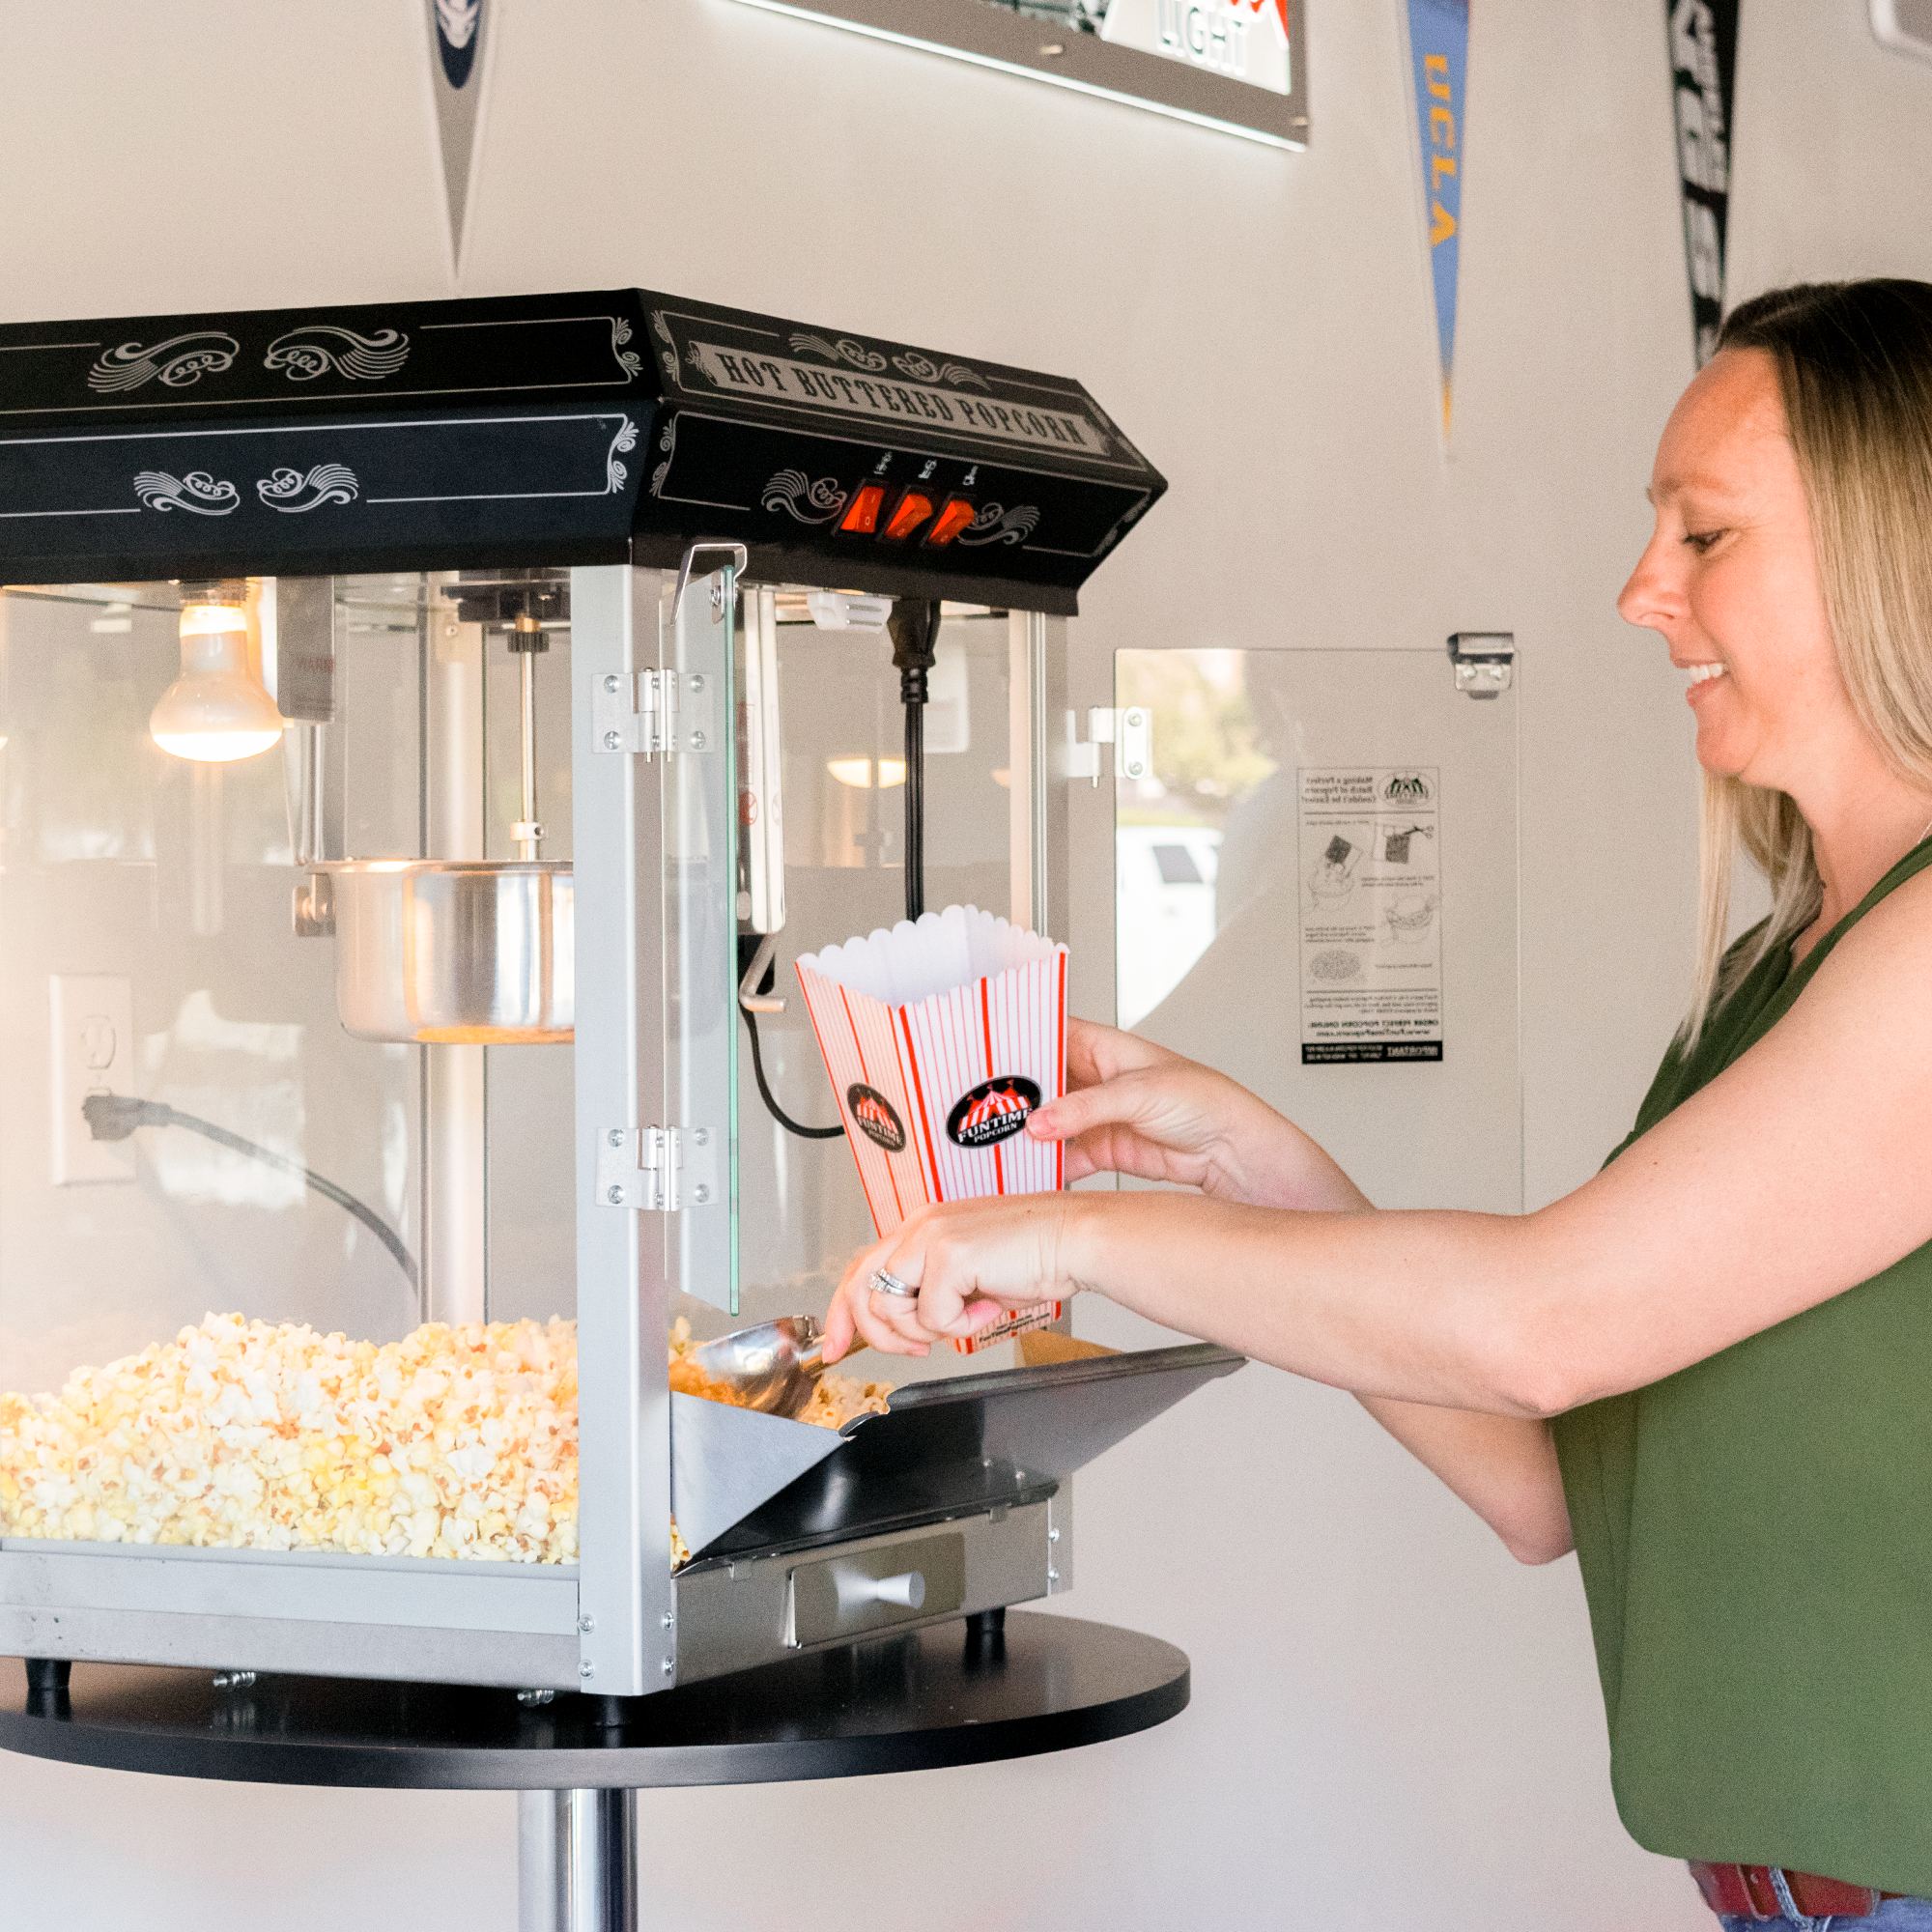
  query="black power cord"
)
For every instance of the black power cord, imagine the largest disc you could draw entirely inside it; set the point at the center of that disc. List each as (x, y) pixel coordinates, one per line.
(772, 1106)
(113, 1117)
(914, 629)
(748, 943)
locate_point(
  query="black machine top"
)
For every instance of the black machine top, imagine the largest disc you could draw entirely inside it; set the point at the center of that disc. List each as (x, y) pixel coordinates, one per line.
(587, 428)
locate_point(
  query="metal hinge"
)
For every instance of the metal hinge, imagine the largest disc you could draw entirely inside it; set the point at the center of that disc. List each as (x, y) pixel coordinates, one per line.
(1083, 761)
(657, 1170)
(1484, 661)
(634, 711)
(637, 1167)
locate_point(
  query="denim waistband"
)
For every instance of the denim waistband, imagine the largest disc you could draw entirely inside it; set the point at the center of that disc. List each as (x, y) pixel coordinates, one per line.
(1893, 1915)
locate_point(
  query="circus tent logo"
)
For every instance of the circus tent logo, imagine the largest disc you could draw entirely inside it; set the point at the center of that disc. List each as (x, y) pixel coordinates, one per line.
(873, 1115)
(994, 1111)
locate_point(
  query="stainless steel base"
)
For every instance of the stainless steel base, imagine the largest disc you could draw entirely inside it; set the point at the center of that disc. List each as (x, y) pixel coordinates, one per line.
(577, 1860)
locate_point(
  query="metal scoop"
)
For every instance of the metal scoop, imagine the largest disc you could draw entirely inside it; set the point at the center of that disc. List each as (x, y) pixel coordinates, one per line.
(772, 1368)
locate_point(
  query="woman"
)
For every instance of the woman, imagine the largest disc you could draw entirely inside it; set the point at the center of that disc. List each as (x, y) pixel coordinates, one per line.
(1707, 1369)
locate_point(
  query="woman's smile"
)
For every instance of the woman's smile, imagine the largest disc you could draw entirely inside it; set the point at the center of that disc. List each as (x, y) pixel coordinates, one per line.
(1702, 677)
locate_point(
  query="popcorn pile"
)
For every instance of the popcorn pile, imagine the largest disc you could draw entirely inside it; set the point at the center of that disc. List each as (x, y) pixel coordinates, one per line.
(452, 1443)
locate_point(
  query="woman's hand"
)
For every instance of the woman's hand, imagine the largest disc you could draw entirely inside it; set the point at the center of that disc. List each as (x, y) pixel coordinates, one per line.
(1132, 1108)
(1135, 1108)
(969, 1261)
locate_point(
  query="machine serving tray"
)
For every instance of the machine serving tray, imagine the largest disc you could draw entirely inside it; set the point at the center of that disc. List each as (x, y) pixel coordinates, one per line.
(968, 1443)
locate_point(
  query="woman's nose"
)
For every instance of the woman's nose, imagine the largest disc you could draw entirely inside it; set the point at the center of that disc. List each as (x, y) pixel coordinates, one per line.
(1649, 599)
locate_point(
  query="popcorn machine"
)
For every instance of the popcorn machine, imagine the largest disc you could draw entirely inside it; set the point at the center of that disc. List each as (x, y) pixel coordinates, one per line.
(428, 736)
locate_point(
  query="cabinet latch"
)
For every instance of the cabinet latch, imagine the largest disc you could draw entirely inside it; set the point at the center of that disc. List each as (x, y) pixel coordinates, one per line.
(1484, 662)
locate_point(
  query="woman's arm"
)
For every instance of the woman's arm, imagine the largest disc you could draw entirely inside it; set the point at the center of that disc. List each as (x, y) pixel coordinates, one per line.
(1135, 1108)
(1504, 1466)
(1803, 1170)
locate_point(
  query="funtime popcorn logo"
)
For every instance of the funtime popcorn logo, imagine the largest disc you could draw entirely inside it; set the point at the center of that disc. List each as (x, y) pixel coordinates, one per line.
(875, 1118)
(996, 1110)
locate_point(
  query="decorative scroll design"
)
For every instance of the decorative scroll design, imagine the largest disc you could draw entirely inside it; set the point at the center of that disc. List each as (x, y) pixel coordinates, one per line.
(844, 350)
(668, 443)
(291, 493)
(197, 492)
(997, 524)
(628, 360)
(180, 363)
(784, 490)
(923, 369)
(319, 346)
(1128, 519)
(658, 324)
(626, 439)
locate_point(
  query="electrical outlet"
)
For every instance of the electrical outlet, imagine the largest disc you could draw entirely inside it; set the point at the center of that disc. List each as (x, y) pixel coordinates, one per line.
(92, 1034)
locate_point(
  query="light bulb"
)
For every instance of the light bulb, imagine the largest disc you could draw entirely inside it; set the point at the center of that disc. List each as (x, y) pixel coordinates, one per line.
(215, 710)
(861, 773)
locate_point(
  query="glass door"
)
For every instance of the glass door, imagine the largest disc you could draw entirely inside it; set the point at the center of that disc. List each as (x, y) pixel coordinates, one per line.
(1316, 891)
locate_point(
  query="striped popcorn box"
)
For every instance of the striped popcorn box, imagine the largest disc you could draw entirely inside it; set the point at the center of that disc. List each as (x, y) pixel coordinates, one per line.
(1012, 1322)
(941, 1038)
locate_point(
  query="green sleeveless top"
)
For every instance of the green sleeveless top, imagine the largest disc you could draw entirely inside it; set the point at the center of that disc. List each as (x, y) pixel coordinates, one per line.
(1756, 1535)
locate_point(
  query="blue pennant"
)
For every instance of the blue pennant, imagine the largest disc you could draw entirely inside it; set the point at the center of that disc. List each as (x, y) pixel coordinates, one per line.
(1438, 42)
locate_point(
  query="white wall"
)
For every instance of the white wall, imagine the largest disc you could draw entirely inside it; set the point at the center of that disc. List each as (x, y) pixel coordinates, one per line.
(1391, 1721)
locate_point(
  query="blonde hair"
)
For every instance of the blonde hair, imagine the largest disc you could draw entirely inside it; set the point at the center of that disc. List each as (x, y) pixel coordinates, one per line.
(1855, 372)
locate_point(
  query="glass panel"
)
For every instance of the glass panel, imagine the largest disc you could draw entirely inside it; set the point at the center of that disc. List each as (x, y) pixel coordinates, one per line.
(169, 954)
(802, 1211)
(1316, 888)
(145, 906)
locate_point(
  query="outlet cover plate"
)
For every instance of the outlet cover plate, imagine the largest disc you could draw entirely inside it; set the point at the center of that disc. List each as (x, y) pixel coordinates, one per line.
(92, 1035)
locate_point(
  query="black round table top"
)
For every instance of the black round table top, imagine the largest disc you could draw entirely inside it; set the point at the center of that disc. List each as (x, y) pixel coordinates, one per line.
(928, 1699)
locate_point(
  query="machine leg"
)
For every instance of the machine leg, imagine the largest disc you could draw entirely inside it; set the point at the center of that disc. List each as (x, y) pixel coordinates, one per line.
(577, 1861)
(986, 1639)
(47, 1686)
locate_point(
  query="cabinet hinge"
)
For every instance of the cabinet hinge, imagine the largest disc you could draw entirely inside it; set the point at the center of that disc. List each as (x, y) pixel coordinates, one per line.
(634, 711)
(657, 1170)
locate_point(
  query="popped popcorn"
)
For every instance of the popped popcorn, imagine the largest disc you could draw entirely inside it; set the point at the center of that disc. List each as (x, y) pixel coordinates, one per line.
(453, 1443)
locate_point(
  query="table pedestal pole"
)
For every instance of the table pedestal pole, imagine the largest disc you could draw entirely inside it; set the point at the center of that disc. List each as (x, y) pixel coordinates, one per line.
(577, 1860)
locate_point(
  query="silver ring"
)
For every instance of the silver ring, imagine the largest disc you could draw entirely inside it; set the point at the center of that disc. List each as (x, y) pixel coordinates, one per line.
(885, 1283)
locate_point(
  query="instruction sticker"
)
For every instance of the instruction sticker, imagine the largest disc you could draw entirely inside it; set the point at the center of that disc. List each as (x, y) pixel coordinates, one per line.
(1371, 913)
